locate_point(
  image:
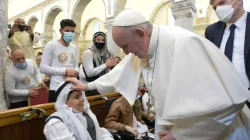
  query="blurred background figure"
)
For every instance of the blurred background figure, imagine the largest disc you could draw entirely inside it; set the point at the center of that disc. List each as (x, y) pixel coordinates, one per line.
(22, 35)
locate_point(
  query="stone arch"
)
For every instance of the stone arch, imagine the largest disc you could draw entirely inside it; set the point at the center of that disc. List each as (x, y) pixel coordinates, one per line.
(77, 15)
(32, 21)
(164, 5)
(49, 23)
(119, 5)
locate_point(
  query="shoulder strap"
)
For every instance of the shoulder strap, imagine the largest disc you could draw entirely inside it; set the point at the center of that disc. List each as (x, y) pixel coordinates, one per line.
(94, 63)
(53, 117)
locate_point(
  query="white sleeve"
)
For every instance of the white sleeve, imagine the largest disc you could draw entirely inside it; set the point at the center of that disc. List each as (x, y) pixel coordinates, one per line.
(38, 75)
(105, 134)
(87, 61)
(124, 78)
(76, 60)
(81, 73)
(35, 39)
(46, 67)
(57, 130)
(10, 84)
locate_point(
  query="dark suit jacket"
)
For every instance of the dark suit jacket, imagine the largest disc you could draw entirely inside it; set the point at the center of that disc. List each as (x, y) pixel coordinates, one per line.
(215, 32)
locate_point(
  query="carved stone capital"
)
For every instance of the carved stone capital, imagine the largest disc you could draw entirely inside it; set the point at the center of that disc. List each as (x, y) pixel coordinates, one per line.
(184, 9)
(108, 23)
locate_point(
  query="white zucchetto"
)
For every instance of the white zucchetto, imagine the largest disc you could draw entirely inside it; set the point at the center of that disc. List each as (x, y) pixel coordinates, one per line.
(129, 17)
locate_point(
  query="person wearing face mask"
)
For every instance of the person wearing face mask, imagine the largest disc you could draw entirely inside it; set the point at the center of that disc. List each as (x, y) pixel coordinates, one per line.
(60, 57)
(231, 35)
(96, 61)
(73, 119)
(21, 77)
(22, 35)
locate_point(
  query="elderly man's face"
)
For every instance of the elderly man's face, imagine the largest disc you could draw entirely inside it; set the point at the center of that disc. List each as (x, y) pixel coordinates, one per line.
(216, 3)
(18, 57)
(20, 22)
(131, 41)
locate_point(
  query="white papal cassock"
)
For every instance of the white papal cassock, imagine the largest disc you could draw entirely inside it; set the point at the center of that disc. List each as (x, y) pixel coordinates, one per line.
(195, 87)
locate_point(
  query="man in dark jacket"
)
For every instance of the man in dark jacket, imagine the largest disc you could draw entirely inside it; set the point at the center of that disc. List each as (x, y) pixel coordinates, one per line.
(232, 35)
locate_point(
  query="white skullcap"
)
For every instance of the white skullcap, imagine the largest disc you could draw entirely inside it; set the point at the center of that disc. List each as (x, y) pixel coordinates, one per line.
(129, 17)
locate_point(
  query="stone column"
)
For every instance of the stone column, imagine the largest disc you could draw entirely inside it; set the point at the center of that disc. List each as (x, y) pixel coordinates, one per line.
(3, 47)
(113, 48)
(184, 12)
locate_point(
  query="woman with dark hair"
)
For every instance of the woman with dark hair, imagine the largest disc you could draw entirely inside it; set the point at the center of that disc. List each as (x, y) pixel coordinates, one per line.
(96, 61)
(73, 119)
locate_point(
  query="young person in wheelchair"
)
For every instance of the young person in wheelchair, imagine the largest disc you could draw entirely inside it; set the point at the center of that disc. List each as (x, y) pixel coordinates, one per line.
(73, 119)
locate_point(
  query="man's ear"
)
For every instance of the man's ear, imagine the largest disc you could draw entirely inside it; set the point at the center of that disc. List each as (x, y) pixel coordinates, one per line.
(240, 2)
(140, 32)
(61, 31)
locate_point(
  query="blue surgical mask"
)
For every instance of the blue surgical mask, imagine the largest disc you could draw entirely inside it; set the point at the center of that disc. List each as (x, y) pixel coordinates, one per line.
(68, 36)
(22, 66)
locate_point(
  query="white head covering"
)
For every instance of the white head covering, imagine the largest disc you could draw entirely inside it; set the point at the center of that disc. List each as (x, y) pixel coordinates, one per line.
(69, 117)
(129, 17)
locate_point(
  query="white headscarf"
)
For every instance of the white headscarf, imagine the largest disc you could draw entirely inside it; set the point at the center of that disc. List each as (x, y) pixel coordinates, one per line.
(69, 117)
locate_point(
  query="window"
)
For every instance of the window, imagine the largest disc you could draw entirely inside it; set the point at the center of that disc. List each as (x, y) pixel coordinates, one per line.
(95, 27)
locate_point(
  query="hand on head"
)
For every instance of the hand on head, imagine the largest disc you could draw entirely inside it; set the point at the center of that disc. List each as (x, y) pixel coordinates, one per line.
(77, 83)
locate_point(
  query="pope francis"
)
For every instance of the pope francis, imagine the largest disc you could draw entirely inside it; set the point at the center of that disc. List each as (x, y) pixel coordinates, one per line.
(197, 93)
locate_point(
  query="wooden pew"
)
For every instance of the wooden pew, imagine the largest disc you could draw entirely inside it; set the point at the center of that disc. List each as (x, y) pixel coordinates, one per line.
(13, 128)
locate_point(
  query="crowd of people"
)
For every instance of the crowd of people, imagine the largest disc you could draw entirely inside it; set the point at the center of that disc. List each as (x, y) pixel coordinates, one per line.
(192, 90)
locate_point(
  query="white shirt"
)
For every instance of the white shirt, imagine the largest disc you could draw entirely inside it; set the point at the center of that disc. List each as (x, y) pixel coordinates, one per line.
(82, 75)
(18, 82)
(87, 61)
(55, 129)
(239, 45)
(56, 59)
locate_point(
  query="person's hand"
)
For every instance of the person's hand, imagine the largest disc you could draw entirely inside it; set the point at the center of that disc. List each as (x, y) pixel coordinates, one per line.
(77, 83)
(151, 117)
(13, 29)
(166, 136)
(42, 85)
(71, 73)
(110, 62)
(132, 130)
(30, 30)
(33, 93)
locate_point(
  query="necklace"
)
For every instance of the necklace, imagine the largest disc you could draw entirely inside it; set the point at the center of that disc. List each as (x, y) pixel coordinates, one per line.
(149, 104)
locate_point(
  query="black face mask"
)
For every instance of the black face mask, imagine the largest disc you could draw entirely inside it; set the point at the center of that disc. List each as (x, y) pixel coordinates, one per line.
(99, 45)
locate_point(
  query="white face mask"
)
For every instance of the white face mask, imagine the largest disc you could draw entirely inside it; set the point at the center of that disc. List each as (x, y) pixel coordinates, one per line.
(225, 12)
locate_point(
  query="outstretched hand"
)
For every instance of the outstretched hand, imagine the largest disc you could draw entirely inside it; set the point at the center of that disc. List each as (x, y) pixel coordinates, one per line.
(77, 83)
